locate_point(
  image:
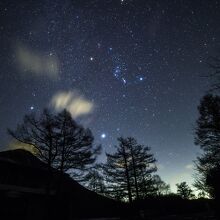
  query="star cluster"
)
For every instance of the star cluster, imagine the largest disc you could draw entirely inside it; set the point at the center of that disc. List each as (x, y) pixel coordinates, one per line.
(133, 66)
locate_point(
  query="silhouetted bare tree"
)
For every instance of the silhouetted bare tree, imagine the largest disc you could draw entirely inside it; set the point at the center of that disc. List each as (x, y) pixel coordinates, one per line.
(59, 141)
(142, 167)
(75, 148)
(39, 133)
(117, 172)
(128, 170)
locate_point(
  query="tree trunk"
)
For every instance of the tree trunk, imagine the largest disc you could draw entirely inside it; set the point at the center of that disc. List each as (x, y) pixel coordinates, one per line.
(135, 174)
(127, 176)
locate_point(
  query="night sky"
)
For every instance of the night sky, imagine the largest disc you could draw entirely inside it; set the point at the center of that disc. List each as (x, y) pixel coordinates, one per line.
(121, 67)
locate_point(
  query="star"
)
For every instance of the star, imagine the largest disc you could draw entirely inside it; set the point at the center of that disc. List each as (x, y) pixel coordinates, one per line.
(124, 81)
(99, 45)
(32, 108)
(117, 72)
(103, 135)
(91, 58)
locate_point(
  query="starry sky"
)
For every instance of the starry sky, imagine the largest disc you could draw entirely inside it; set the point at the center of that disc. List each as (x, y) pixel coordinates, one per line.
(121, 67)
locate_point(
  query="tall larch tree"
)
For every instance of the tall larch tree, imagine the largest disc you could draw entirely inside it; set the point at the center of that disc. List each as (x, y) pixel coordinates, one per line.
(207, 136)
(129, 169)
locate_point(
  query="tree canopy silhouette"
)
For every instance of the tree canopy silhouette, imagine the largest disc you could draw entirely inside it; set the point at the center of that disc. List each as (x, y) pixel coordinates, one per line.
(207, 136)
(161, 188)
(184, 191)
(58, 140)
(129, 170)
(94, 181)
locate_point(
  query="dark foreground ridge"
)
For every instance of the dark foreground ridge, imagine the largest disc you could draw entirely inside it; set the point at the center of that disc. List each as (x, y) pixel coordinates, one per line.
(24, 192)
(28, 190)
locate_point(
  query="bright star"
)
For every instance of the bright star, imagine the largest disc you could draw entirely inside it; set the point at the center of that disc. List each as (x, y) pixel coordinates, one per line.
(91, 58)
(124, 80)
(32, 108)
(103, 135)
(117, 72)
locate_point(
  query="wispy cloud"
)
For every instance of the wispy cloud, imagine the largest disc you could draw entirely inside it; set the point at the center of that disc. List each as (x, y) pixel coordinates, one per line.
(36, 63)
(73, 102)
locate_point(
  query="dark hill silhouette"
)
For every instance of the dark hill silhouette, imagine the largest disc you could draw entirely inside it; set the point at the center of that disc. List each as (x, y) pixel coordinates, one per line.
(24, 195)
(21, 157)
(23, 184)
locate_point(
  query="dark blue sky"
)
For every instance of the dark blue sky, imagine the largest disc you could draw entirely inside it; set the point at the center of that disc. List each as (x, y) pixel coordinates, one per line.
(122, 67)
